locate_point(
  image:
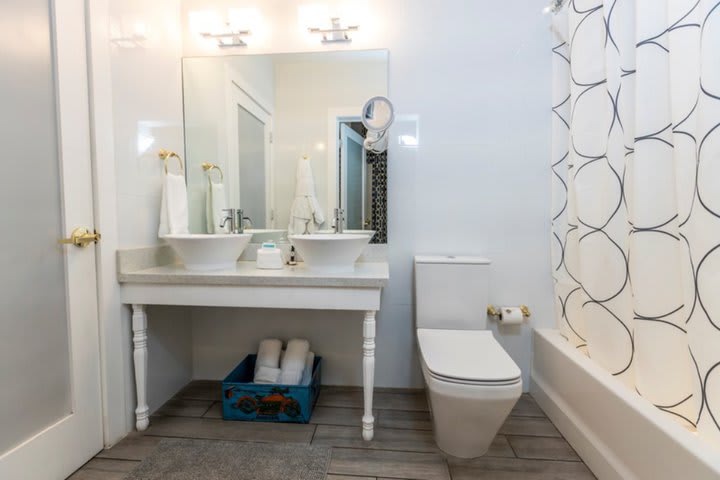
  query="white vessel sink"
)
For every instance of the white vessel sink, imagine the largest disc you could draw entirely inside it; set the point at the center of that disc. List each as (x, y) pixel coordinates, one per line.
(260, 235)
(208, 252)
(358, 232)
(330, 252)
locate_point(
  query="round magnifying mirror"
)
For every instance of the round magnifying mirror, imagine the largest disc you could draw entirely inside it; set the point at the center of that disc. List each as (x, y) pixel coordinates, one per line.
(378, 114)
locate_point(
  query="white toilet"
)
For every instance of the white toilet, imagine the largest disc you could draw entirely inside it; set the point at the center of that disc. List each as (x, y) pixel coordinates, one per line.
(472, 383)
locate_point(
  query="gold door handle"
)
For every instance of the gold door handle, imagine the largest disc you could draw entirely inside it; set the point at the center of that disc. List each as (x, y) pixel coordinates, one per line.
(81, 237)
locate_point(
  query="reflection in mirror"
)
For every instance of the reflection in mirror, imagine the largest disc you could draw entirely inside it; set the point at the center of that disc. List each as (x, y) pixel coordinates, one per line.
(258, 117)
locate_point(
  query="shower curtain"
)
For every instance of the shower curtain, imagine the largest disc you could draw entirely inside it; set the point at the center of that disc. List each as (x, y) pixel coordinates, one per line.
(636, 196)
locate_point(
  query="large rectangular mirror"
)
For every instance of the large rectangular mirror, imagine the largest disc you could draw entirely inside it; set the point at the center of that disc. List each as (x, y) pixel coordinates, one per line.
(280, 128)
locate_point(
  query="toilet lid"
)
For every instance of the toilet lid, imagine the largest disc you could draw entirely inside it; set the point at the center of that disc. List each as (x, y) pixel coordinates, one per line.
(470, 355)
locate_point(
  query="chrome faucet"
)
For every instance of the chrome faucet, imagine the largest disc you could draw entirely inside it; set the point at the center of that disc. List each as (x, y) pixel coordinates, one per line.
(235, 216)
(339, 220)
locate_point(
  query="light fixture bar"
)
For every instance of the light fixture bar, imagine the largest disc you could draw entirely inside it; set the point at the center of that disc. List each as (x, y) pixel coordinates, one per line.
(234, 38)
(133, 41)
(353, 28)
(225, 35)
(336, 33)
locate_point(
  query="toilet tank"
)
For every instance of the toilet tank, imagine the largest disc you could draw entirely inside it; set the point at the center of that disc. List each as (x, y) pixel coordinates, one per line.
(451, 292)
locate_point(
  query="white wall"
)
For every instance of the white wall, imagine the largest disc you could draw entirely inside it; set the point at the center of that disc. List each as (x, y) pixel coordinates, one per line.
(146, 116)
(473, 80)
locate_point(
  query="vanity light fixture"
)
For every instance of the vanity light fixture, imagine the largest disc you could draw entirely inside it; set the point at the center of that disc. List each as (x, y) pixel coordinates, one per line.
(125, 35)
(336, 33)
(229, 39)
(131, 41)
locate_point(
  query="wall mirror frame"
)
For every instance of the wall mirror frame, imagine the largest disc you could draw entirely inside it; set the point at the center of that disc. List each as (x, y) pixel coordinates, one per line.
(257, 118)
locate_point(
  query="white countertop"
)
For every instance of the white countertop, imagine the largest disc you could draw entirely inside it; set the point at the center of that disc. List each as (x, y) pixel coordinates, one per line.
(366, 275)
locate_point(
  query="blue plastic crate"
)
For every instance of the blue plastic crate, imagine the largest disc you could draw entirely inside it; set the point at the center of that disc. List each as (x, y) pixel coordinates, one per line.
(244, 400)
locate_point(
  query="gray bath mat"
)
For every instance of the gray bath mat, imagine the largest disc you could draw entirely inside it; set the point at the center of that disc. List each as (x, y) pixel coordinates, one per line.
(189, 459)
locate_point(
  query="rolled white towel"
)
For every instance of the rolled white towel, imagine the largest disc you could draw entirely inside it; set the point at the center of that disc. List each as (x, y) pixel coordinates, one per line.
(308, 370)
(268, 354)
(293, 362)
(267, 375)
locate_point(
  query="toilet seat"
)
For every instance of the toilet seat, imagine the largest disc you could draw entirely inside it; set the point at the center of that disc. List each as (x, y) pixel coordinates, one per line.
(470, 357)
(479, 383)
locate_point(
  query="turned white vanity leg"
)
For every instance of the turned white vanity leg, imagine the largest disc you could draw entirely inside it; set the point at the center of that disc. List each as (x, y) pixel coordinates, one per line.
(139, 326)
(368, 373)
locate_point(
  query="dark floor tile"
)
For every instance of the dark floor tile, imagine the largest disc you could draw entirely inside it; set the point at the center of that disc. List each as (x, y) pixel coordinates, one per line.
(543, 448)
(379, 463)
(527, 407)
(353, 388)
(384, 439)
(404, 419)
(184, 407)
(135, 446)
(350, 417)
(347, 477)
(500, 447)
(202, 390)
(493, 468)
(104, 469)
(110, 465)
(215, 411)
(339, 397)
(209, 428)
(403, 447)
(529, 426)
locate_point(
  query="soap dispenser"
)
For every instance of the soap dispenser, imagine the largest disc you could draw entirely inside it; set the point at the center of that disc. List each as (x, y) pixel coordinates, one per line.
(269, 257)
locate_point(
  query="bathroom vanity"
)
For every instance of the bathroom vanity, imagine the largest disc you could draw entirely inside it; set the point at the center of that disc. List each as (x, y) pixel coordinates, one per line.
(151, 276)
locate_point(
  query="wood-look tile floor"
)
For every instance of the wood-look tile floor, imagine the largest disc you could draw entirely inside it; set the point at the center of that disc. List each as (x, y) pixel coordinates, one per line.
(528, 447)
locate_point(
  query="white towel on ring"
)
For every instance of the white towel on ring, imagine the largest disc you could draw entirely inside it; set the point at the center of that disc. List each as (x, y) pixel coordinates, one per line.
(173, 205)
(215, 203)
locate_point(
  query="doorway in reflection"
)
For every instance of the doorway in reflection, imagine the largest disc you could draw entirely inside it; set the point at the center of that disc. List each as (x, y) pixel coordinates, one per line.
(363, 181)
(251, 163)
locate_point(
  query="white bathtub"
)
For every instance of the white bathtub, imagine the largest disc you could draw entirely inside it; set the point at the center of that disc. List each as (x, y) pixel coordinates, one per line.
(617, 433)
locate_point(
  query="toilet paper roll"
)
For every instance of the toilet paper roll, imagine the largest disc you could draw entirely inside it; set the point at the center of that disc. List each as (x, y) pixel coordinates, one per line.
(511, 316)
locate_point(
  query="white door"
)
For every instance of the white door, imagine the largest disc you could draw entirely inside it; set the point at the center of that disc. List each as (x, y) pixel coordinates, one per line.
(252, 182)
(353, 171)
(50, 406)
(249, 140)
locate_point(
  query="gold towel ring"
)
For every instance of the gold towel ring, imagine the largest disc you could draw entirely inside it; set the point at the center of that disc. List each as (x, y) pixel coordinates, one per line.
(166, 154)
(209, 167)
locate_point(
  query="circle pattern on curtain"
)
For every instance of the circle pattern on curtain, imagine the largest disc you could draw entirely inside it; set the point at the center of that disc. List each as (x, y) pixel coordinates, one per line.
(636, 196)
